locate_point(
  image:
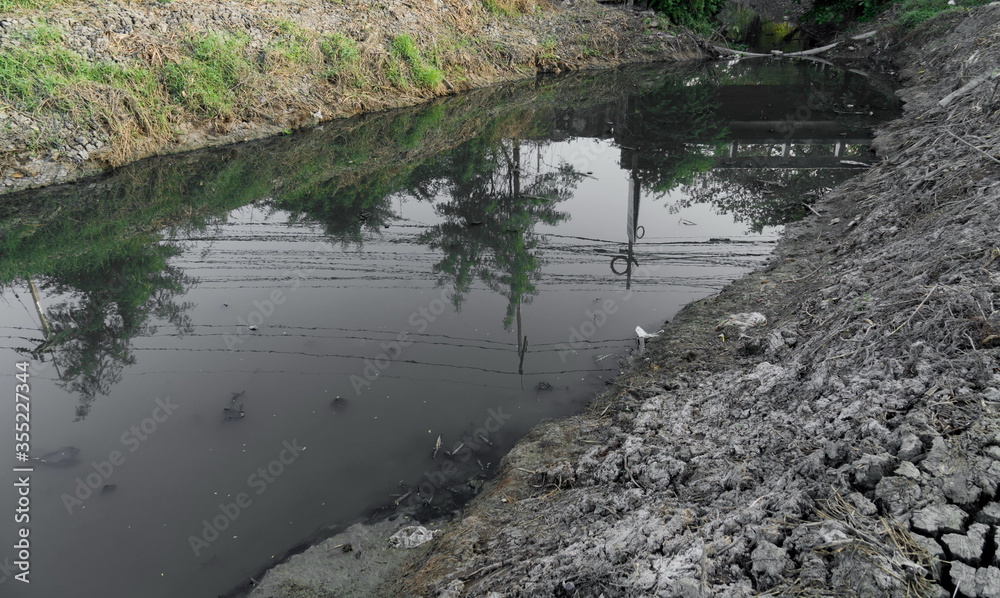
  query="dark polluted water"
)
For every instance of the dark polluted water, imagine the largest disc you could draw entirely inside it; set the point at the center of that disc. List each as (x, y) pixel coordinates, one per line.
(234, 350)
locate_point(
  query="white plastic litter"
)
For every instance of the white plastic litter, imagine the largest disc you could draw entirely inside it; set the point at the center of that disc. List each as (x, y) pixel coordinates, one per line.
(643, 334)
(411, 536)
(745, 320)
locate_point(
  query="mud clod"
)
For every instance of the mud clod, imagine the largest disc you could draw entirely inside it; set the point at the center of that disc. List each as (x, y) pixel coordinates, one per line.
(967, 547)
(939, 519)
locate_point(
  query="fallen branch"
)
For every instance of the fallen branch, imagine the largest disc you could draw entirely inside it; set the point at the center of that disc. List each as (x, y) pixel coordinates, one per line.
(778, 53)
(972, 146)
(961, 91)
(862, 36)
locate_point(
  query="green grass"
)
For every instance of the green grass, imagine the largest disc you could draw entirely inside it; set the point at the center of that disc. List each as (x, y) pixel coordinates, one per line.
(911, 12)
(207, 81)
(342, 58)
(292, 45)
(10, 5)
(498, 9)
(548, 48)
(915, 12)
(423, 72)
(41, 73)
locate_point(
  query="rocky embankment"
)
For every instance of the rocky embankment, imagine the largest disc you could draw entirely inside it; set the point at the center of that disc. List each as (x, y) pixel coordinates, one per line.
(850, 446)
(85, 86)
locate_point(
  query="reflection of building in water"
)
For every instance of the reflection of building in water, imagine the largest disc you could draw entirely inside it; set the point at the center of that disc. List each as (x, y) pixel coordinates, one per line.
(766, 127)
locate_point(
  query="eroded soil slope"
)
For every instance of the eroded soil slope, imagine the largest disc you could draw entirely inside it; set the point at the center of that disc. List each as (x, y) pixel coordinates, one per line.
(849, 447)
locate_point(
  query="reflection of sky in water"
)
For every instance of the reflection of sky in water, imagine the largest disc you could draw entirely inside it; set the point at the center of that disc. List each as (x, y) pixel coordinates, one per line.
(325, 314)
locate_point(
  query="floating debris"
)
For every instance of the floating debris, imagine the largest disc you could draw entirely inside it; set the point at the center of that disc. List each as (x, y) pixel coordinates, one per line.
(61, 458)
(437, 447)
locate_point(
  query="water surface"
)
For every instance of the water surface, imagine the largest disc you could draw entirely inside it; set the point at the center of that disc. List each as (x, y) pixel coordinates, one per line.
(246, 346)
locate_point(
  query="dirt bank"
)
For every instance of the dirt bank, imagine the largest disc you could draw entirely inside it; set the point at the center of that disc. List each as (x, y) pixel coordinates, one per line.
(850, 446)
(87, 86)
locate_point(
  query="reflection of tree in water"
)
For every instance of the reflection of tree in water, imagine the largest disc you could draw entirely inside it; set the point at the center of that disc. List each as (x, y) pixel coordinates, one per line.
(673, 129)
(91, 333)
(761, 197)
(346, 209)
(494, 204)
(349, 192)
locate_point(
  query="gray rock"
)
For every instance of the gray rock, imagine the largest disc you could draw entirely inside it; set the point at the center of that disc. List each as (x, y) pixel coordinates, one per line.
(961, 487)
(990, 475)
(990, 514)
(869, 469)
(936, 519)
(862, 504)
(897, 494)
(989, 578)
(909, 470)
(967, 547)
(910, 448)
(964, 577)
(770, 562)
(978, 583)
(939, 461)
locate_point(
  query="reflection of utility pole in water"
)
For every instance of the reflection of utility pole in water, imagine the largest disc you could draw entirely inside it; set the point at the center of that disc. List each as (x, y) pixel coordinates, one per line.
(522, 346)
(515, 191)
(38, 308)
(46, 330)
(633, 230)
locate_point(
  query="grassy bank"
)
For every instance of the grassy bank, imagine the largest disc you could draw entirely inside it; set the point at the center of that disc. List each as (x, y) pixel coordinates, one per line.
(905, 14)
(86, 87)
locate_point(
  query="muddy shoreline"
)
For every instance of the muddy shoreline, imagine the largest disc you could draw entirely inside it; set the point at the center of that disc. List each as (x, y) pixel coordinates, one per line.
(850, 446)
